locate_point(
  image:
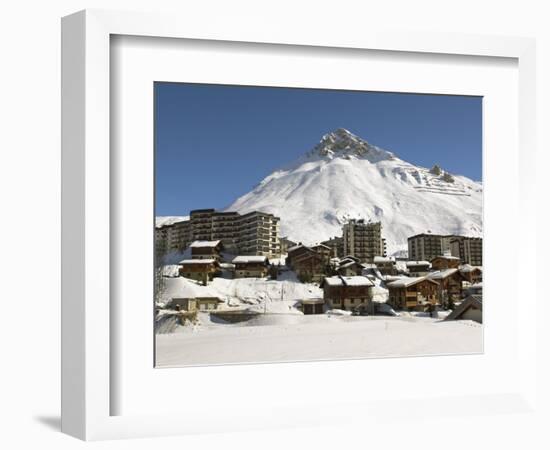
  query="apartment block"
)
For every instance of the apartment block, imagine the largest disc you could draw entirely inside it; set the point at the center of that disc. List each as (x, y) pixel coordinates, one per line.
(468, 249)
(254, 233)
(173, 237)
(426, 246)
(363, 240)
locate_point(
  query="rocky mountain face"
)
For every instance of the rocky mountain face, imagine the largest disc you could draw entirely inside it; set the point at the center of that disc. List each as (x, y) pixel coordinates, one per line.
(344, 177)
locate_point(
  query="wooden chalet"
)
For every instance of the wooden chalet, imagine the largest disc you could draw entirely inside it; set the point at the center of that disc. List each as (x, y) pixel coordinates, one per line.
(450, 285)
(251, 266)
(323, 250)
(294, 251)
(470, 309)
(445, 262)
(348, 293)
(202, 270)
(349, 268)
(312, 305)
(418, 268)
(417, 293)
(195, 303)
(385, 264)
(310, 265)
(206, 250)
(471, 274)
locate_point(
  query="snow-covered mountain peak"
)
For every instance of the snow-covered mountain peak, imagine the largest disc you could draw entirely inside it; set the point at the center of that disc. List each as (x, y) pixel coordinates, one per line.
(346, 177)
(343, 143)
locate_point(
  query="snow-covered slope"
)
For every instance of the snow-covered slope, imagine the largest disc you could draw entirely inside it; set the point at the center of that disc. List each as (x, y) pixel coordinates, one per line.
(161, 221)
(345, 177)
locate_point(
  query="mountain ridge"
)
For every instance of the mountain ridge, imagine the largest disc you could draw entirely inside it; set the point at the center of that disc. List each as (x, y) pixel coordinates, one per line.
(345, 176)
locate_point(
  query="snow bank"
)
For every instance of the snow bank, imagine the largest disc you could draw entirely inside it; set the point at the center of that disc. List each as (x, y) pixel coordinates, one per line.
(275, 295)
(318, 337)
(338, 312)
(170, 270)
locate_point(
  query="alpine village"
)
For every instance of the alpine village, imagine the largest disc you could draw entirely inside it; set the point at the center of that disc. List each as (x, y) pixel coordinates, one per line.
(349, 274)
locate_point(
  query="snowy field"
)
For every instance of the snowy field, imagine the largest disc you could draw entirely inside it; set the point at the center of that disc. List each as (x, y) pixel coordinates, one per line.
(295, 337)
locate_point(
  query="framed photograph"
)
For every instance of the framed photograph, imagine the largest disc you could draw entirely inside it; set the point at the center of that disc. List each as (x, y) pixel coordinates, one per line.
(341, 250)
(305, 216)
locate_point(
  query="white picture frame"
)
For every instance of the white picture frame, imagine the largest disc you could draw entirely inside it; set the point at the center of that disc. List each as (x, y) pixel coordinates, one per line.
(88, 322)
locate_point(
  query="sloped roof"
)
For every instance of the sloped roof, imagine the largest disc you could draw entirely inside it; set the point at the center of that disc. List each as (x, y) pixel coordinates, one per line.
(349, 264)
(205, 244)
(465, 268)
(383, 259)
(321, 245)
(472, 301)
(417, 263)
(408, 281)
(198, 261)
(295, 247)
(442, 274)
(249, 259)
(448, 257)
(351, 258)
(357, 280)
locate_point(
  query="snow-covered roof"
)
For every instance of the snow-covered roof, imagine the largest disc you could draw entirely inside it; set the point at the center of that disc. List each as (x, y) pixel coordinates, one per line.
(391, 278)
(357, 280)
(321, 245)
(294, 247)
(406, 282)
(417, 263)
(349, 264)
(465, 268)
(198, 261)
(249, 259)
(205, 244)
(312, 301)
(472, 301)
(350, 257)
(383, 259)
(441, 274)
(448, 257)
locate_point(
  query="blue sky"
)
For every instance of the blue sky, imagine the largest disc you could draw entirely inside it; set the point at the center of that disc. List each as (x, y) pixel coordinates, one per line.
(214, 143)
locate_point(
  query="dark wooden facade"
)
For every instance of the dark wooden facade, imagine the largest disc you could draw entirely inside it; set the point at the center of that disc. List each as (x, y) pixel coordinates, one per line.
(251, 269)
(203, 251)
(202, 271)
(450, 285)
(415, 294)
(310, 265)
(350, 268)
(472, 275)
(345, 296)
(445, 262)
